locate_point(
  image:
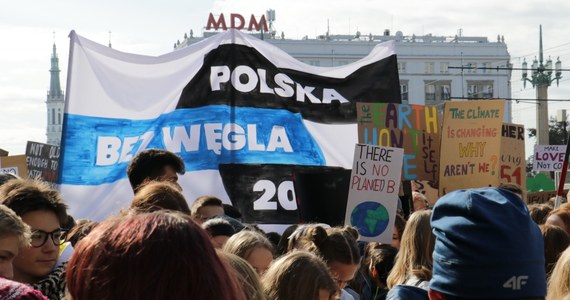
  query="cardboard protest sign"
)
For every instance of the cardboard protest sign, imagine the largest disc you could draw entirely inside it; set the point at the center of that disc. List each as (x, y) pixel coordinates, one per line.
(470, 144)
(373, 193)
(10, 170)
(541, 197)
(513, 162)
(14, 164)
(426, 188)
(415, 128)
(322, 193)
(42, 161)
(548, 157)
(230, 99)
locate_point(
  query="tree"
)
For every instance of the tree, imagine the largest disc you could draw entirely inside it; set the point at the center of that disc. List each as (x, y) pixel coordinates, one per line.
(555, 132)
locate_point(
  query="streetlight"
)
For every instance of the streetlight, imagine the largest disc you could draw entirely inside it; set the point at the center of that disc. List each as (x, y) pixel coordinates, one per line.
(541, 78)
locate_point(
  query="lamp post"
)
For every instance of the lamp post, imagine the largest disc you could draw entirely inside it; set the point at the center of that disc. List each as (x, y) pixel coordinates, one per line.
(541, 78)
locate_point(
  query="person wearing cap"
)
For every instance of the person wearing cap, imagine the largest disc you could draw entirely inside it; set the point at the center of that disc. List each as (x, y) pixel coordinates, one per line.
(487, 247)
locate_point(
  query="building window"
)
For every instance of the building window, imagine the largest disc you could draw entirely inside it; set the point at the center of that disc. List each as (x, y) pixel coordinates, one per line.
(430, 92)
(59, 116)
(429, 67)
(486, 68)
(52, 116)
(479, 89)
(444, 67)
(437, 91)
(404, 90)
(401, 67)
(472, 68)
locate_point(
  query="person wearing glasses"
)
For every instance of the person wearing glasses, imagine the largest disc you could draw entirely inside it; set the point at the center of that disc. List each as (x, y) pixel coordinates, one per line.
(14, 234)
(43, 209)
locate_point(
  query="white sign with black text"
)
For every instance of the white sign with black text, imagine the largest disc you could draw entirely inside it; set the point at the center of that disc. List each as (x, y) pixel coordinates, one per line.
(373, 192)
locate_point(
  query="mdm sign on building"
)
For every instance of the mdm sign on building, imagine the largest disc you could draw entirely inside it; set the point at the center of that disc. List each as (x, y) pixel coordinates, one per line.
(230, 99)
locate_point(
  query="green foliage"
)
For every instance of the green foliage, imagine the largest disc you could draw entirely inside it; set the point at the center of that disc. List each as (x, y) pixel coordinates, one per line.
(539, 183)
(555, 132)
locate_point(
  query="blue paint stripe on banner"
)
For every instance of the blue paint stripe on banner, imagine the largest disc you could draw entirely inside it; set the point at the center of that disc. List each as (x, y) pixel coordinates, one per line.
(98, 150)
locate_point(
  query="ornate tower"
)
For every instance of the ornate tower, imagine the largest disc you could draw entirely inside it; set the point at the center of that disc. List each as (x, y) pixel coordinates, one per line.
(54, 102)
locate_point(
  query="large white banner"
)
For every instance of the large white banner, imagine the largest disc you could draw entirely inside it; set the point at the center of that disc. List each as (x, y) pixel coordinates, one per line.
(228, 99)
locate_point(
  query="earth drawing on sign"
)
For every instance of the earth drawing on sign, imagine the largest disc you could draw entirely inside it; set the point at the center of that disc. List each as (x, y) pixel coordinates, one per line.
(371, 218)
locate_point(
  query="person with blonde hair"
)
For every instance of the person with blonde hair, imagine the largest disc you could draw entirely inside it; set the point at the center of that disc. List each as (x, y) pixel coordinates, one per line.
(247, 276)
(413, 265)
(559, 282)
(157, 195)
(299, 275)
(252, 246)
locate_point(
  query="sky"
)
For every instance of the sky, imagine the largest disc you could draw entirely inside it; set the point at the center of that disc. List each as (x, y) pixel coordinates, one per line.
(28, 30)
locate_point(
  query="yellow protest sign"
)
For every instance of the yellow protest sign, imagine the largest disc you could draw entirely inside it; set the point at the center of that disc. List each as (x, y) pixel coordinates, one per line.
(470, 144)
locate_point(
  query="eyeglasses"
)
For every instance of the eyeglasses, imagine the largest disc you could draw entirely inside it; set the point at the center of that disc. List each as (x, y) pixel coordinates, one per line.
(40, 237)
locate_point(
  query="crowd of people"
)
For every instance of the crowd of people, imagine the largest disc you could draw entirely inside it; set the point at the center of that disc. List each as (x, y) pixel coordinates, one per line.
(482, 243)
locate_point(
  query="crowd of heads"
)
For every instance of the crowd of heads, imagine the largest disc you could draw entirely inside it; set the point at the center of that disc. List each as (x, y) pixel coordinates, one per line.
(481, 243)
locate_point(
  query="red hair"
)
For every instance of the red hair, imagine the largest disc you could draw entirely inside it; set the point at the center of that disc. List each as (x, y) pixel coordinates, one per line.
(159, 255)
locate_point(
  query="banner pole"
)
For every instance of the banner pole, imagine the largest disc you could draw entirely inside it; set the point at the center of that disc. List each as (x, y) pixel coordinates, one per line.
(562, 176)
